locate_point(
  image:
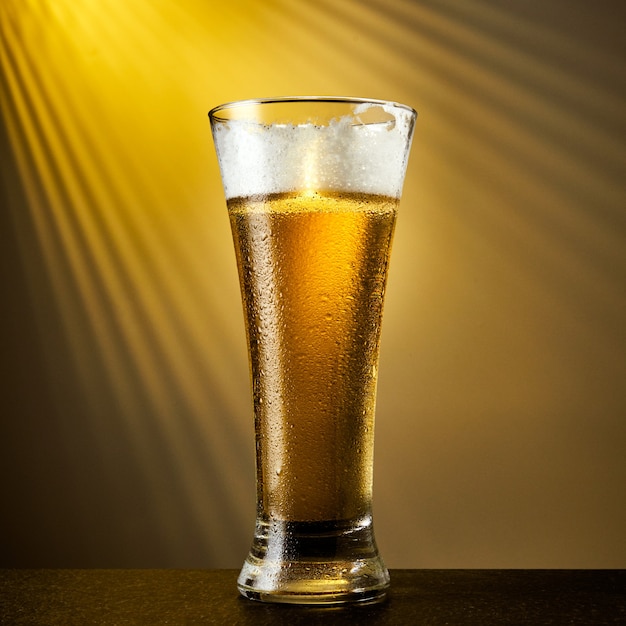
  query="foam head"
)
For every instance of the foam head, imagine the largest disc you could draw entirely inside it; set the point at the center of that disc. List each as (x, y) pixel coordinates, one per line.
(326, 144)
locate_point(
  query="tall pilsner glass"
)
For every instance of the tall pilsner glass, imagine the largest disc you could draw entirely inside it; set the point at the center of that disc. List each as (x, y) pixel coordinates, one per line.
(312, 186)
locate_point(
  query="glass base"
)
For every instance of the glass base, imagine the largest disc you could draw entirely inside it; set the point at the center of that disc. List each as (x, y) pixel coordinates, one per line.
(317, 563)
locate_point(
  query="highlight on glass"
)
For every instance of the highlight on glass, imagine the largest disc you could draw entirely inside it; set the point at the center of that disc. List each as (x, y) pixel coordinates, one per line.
(312, 186)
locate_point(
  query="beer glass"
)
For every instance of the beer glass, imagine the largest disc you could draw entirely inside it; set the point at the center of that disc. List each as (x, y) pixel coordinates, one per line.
(312, 185)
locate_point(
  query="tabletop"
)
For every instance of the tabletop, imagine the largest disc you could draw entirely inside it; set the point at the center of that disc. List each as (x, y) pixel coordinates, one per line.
(45, 597)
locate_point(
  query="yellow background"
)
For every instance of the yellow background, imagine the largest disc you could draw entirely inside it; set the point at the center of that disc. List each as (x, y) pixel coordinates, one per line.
(126, 436)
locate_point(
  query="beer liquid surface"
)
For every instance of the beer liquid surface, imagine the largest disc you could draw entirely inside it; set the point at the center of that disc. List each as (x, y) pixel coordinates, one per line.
(313, 268)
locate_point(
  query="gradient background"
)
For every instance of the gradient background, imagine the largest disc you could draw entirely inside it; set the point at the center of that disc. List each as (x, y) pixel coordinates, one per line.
(126, 436)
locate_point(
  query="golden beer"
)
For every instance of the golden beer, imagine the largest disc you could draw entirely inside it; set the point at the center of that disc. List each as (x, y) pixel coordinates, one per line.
(312, 268)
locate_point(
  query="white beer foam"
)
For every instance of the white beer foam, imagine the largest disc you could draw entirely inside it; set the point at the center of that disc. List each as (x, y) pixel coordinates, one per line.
(349, 154)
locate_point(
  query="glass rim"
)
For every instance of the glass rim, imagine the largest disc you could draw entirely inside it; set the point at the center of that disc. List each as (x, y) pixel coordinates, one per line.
(213, 113)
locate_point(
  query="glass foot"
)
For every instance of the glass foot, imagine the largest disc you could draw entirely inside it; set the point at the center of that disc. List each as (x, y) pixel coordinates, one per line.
(317, 563)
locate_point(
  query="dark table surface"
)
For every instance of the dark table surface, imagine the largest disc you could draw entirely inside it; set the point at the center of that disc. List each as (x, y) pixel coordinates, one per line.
(417, 597)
